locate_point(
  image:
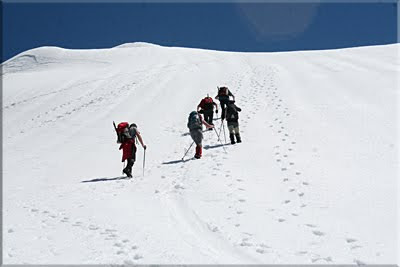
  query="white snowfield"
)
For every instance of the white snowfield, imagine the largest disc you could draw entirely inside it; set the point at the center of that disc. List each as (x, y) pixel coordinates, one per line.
(315, 180)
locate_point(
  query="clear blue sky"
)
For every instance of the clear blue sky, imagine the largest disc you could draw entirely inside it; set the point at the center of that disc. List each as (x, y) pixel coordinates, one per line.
(220, 26)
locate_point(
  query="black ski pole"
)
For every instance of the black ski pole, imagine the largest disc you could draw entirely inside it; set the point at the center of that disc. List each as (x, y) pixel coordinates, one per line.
(187, 150)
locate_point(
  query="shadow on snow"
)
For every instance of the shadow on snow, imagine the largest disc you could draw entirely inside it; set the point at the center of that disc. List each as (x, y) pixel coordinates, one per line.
(105, 179)
(177, 161)
(206, 147)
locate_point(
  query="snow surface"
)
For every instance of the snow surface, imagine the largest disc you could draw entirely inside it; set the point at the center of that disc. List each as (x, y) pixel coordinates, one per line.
(314, 181)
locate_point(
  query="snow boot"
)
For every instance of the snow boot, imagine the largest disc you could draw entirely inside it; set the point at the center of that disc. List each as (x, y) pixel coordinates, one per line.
(128, 169)
(198, 152)
(232, 137)
(128, 172)
(238, 139)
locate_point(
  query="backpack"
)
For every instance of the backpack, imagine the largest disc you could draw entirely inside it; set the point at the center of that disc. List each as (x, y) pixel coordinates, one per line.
(207, 103)
(125, 132)
(231, 113)
(194, 121)
(223, 91)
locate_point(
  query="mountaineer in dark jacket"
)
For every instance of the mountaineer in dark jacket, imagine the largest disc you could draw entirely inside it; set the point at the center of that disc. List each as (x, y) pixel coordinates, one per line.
(232, 119)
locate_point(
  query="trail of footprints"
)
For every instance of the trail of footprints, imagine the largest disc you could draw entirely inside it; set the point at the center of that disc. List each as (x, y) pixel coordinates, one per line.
(123, 247)
(82, 102)
(292, 177)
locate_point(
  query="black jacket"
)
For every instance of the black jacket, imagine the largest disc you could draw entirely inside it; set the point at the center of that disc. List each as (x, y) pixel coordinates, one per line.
(232, 113)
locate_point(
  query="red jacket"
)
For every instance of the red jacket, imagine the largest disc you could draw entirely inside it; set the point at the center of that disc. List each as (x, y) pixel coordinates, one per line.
(128, 148)
(207, 104)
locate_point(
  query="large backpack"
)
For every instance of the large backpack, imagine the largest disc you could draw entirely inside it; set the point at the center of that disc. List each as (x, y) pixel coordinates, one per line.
(231, 113)
(223, 91)
(207, 103)
(125, 132)
(194, 121)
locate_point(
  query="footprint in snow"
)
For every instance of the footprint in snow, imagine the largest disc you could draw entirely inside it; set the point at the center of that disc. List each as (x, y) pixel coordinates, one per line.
(77, 223)
(359, 263)
(310, 225)
(351, 240)
(93, 227)
(318, 233)
(137, 257)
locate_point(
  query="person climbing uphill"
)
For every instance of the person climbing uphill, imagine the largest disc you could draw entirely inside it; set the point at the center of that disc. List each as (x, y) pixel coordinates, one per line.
(232, 119)
(195, 125)
(126, 137)
(206, 107)
(223, 97)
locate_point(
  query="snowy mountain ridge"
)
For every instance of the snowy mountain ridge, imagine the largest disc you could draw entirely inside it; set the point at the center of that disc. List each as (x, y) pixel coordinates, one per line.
(314, 181)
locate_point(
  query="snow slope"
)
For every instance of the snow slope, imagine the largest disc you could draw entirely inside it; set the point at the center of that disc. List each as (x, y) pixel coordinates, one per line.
(314, 181)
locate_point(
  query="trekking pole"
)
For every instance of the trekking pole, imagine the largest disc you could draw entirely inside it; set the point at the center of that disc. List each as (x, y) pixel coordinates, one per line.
(220, 129)
(144, 159)
(187, 150)
(223, 126)
(223, 146)
(216, 133)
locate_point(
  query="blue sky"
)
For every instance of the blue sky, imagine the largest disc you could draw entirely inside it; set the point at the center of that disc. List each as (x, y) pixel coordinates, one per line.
(220, 26)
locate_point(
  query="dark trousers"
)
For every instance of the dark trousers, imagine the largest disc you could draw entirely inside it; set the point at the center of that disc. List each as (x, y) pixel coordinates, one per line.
(208, 116)
(223, 101)
(132, 160)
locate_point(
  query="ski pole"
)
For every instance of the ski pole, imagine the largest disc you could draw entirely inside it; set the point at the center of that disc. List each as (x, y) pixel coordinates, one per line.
(144, 159)
(220, 129)
(223, 146)
(223, 126)
(216, 133)
(187, 150)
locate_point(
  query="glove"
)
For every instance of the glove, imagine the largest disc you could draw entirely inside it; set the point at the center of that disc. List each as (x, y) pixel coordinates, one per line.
(216, 112)
(144, 147)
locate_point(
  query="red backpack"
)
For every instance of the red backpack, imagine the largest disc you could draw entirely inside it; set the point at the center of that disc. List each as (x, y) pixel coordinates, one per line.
(207, 103)
(120, 131)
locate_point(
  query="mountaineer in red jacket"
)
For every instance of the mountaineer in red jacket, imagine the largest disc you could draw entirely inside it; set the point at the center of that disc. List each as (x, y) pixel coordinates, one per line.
(126, 136)
(206, 107)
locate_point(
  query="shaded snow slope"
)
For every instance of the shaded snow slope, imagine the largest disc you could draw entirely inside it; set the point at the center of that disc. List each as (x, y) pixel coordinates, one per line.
(314, 181)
